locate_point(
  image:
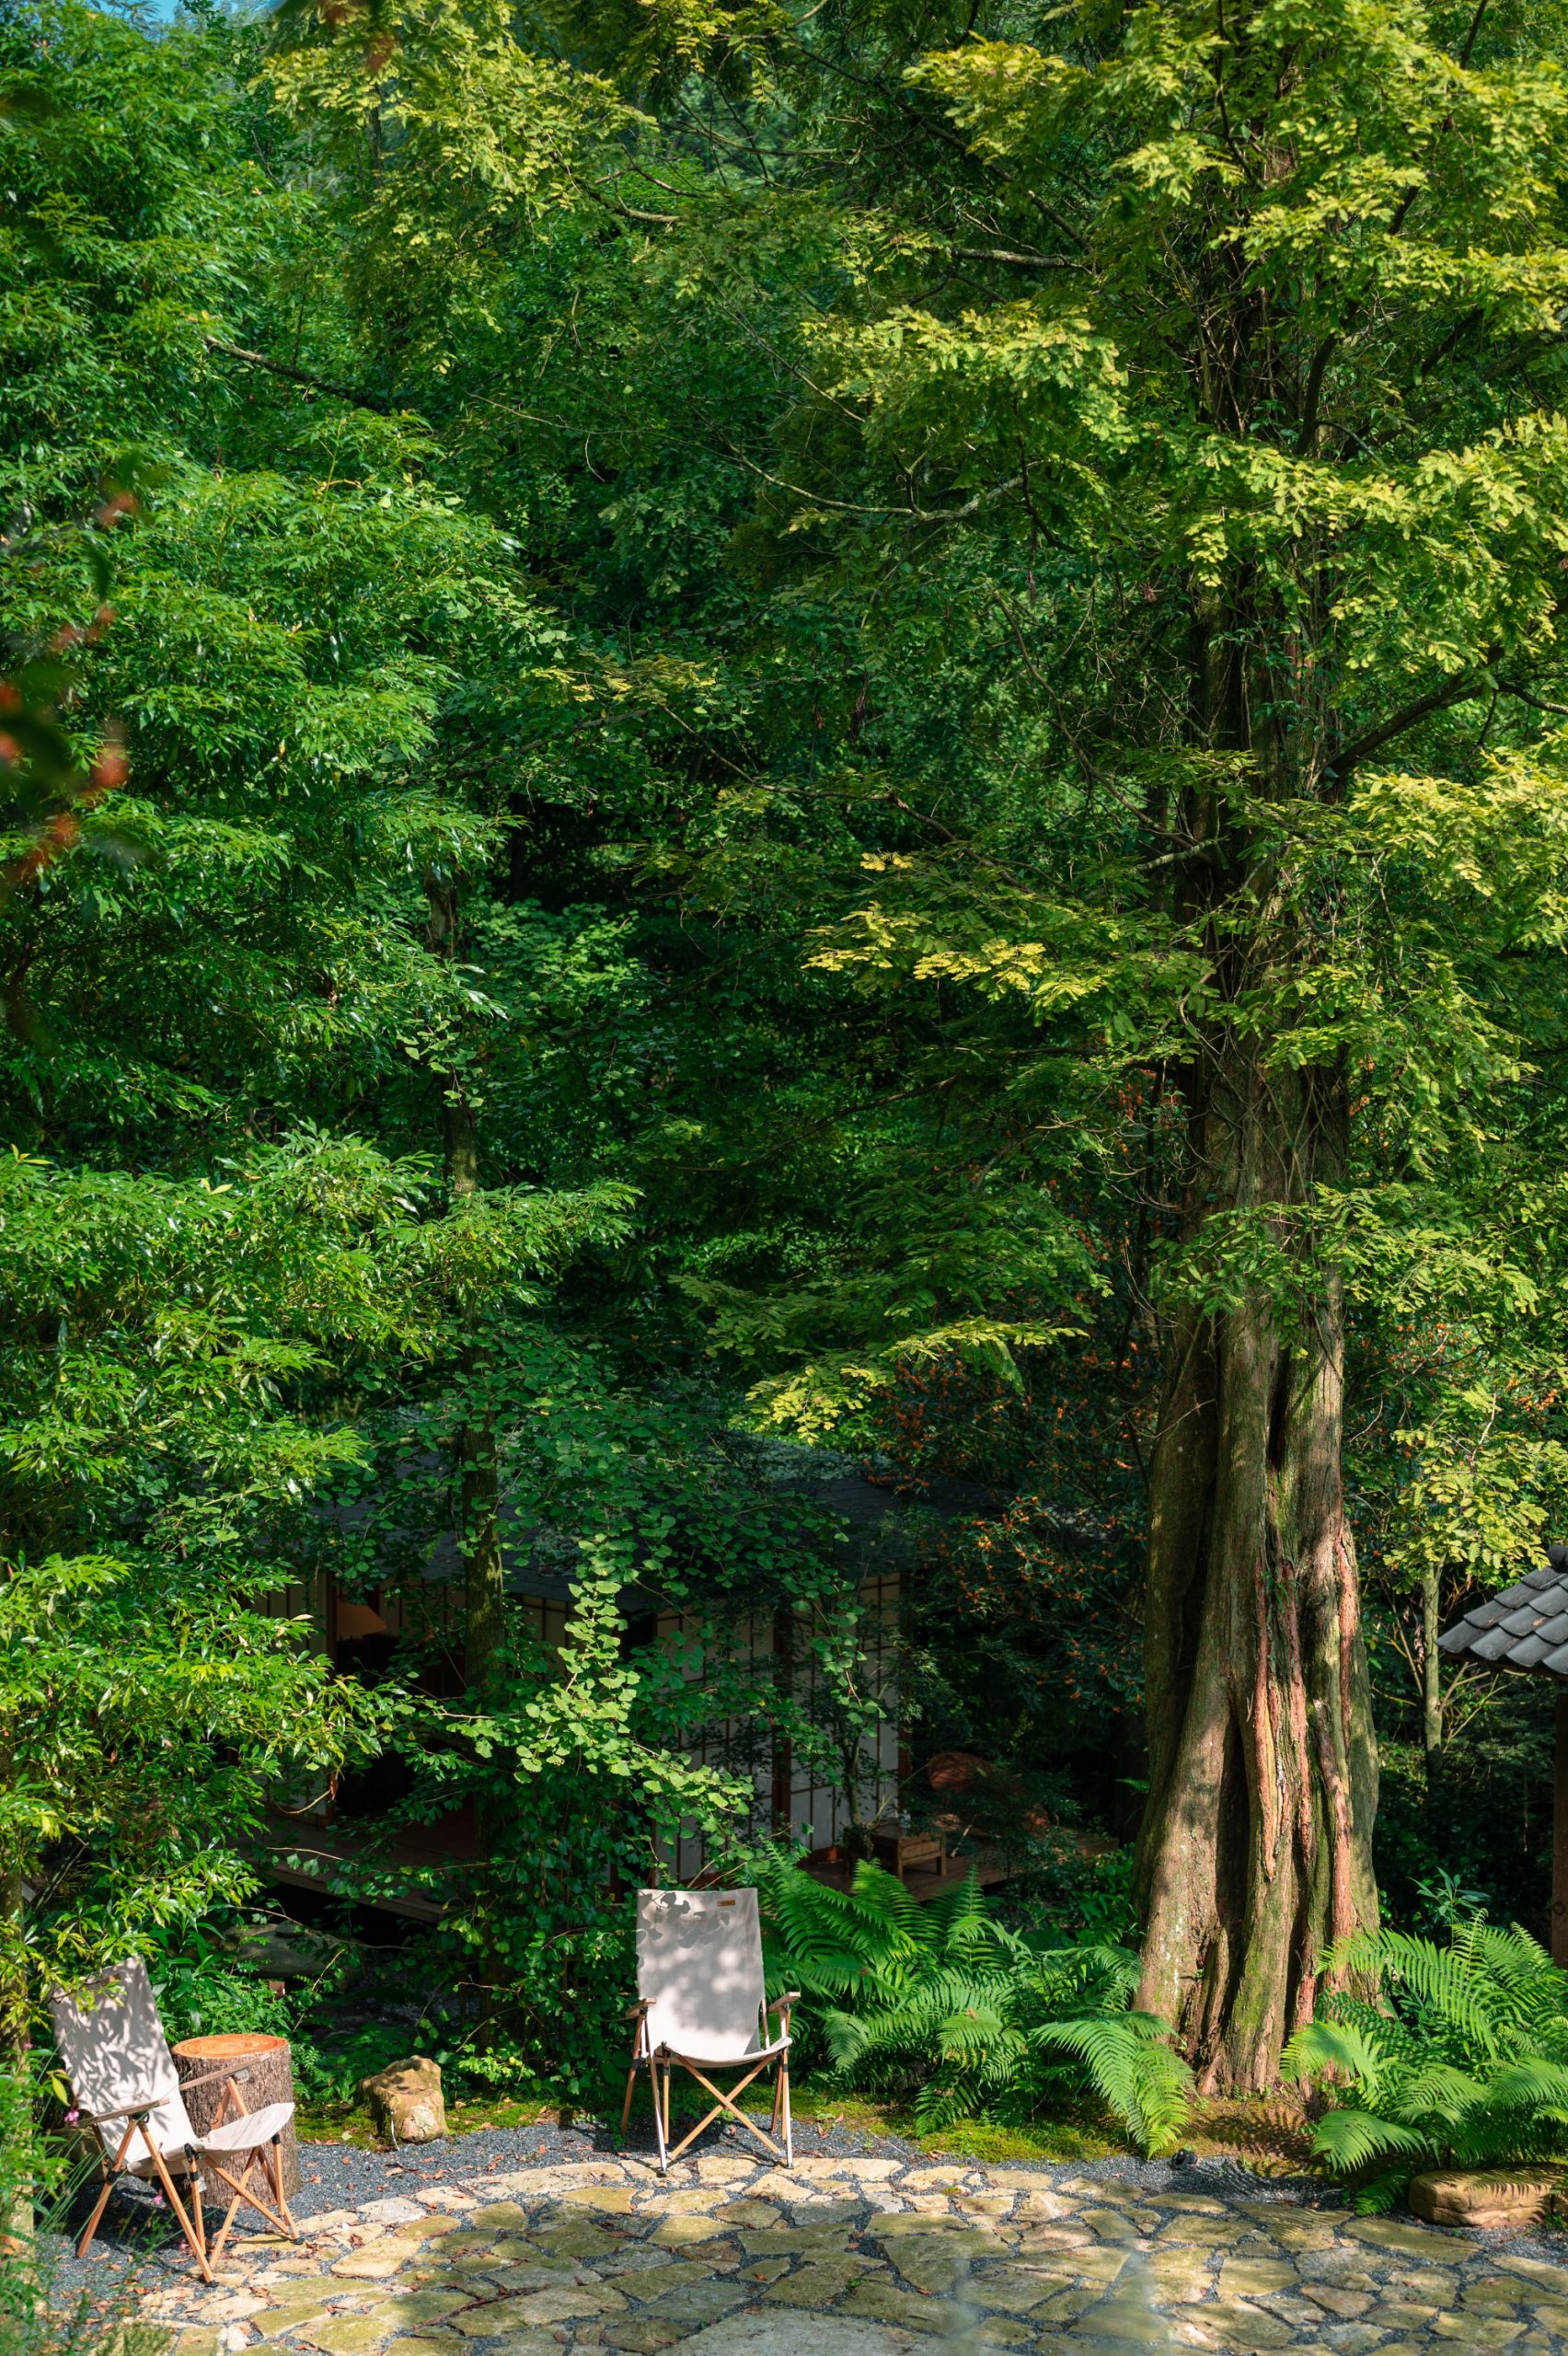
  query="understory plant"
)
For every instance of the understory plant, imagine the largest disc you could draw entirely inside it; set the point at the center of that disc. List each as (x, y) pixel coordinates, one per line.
(1436, 2056)
(38, 2314)
(944, 2002)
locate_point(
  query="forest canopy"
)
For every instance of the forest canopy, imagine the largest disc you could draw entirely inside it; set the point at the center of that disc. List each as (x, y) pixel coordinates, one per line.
(769, 736)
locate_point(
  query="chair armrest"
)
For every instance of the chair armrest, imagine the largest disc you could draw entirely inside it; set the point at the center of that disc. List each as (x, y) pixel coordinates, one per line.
(240, 2077)
(127, 2110)
(782, 2003)
(635, 2012)
(151, 2102)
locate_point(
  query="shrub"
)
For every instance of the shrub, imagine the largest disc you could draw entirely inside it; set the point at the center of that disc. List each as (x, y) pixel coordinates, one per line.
(1463, 2063)
(204, 1995)
(976, 2020)
(204, 1990)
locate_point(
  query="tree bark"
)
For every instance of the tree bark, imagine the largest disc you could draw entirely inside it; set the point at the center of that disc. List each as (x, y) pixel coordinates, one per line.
(1256, 1849)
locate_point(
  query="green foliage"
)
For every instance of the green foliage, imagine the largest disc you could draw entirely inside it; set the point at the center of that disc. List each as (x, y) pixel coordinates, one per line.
(204, 1988)
(660, 886)
(1462, 2062)
(1068, 1897)
(201, 1992)
(977, 2021)
(329, 2070)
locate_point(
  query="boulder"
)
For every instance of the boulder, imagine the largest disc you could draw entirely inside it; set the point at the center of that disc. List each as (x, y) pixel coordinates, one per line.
(1516, 2196)
(406, 2100)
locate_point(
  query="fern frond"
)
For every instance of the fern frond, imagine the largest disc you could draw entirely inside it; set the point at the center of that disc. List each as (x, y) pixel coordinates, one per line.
(1324, 2047)
(1347, 2140)
(1133, 2068)
(983, 2018)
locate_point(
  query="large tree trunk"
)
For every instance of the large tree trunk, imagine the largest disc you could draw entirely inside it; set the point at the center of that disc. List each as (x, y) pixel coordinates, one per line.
(1256, 1849)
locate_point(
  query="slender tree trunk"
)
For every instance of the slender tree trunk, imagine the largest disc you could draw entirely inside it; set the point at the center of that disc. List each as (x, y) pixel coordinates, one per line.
(1431, 1685)
(479, 1525)
(484, 1570)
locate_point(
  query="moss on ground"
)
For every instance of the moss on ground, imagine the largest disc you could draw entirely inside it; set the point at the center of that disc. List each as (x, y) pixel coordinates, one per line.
(1268, 2134)
(1076, 2136)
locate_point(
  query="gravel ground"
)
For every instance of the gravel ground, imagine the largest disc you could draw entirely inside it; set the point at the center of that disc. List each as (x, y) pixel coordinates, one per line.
(338, 2175)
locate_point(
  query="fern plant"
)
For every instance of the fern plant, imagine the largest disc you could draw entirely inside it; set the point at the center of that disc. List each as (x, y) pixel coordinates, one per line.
(1458, 2058)
(978, 2020)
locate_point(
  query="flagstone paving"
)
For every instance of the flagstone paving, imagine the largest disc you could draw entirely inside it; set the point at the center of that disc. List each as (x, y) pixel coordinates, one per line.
(854, 2257)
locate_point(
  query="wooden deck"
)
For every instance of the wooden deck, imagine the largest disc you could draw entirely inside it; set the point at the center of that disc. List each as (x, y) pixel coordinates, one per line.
(922, 1883)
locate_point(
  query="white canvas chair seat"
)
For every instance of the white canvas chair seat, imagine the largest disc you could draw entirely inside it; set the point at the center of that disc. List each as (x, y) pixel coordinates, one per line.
(248, 2132)
(754, 2052)
(702, 2005)
(124, 2083)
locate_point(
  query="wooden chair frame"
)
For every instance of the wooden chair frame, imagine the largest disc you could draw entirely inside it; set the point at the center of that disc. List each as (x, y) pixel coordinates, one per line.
(661, 2062)
(188, 2162)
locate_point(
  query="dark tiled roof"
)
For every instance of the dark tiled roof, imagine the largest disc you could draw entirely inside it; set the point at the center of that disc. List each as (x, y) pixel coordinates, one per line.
(1525, 1627)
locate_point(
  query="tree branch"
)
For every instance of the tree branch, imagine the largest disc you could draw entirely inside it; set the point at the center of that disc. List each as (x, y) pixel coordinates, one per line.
(970, 506)
(1454, 690)
(1474, 27)
(1019, 262)
(1536, 703)
(358, 399)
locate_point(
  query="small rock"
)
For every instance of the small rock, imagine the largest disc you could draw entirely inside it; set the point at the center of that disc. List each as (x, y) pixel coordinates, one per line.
(406, 2101)
(1483, 2195)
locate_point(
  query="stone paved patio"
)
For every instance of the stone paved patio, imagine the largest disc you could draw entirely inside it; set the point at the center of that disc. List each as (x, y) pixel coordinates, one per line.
(853, 2258)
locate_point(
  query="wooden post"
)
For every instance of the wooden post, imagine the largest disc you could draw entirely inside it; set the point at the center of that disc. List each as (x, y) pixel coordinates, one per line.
(1559, 1836)
(271, 2080)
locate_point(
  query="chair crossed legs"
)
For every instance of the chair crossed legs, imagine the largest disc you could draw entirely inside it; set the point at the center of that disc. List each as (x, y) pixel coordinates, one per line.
(702, 2007)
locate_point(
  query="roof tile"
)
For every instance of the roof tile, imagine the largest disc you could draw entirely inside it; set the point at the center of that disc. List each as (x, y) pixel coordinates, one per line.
(1524, 1628)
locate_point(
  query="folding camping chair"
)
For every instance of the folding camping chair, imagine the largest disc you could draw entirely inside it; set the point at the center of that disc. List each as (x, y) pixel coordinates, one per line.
(701, 2005)
(122, 2078)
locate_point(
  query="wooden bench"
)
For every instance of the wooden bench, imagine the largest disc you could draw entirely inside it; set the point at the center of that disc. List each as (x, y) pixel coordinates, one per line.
(898, 1851)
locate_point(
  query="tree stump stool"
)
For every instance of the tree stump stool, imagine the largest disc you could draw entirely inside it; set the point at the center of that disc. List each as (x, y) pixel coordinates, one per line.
(271, 2080)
